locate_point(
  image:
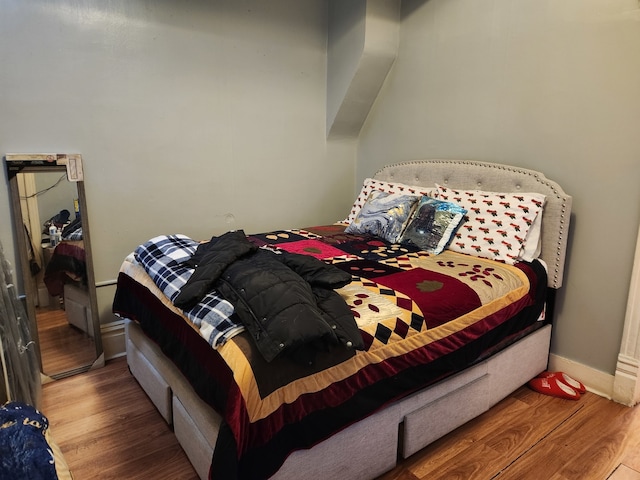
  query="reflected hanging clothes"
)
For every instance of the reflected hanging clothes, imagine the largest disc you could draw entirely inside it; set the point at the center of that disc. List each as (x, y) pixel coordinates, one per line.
(19, 360)
(34, 264)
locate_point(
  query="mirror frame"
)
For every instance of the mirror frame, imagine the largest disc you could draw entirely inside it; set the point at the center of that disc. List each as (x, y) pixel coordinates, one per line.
(33, 163)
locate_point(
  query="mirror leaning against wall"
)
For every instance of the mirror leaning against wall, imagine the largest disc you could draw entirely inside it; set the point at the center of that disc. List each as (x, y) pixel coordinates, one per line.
(50, 224)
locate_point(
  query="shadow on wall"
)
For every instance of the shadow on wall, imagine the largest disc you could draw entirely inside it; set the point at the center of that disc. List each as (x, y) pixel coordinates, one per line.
(191, 16)
(408, 7)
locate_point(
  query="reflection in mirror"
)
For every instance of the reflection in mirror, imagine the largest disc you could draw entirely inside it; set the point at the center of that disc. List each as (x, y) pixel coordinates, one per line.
(51, 228)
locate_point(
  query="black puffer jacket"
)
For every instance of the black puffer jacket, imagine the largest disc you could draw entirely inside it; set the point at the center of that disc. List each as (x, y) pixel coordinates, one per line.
(285, 300)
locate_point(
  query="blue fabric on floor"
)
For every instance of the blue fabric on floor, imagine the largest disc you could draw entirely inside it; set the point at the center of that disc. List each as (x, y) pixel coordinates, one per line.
(24, 451)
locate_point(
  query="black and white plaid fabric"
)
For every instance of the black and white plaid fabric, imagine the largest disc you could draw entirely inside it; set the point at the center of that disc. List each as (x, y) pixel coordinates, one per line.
(162, 259)
(75, 235)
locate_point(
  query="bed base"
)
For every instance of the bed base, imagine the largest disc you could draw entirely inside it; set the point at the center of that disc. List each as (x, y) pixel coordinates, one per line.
(77, 306)
(370, 447)
(365, 449)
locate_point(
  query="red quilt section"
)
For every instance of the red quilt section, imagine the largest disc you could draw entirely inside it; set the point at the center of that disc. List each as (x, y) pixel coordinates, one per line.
(314, 248)
(454, 298)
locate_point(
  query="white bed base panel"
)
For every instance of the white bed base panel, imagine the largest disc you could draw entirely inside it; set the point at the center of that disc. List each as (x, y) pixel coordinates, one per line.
(365, 449)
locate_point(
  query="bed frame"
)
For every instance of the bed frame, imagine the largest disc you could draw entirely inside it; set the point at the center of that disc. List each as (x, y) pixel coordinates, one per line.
(372, 446)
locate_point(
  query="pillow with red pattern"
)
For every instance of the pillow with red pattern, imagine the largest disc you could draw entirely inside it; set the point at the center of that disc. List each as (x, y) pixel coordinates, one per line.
(497, 225)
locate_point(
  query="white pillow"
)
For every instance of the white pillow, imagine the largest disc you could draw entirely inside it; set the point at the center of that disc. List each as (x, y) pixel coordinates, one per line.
(533, 244)
(371, 184)
(497, 225)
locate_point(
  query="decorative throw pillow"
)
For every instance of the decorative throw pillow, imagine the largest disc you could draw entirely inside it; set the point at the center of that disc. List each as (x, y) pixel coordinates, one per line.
(433, 224)
(383, 215)
(496, 225)
(371, 184)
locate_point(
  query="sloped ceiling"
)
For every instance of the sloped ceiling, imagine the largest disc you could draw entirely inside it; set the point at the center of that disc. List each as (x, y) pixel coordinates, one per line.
(361, 52)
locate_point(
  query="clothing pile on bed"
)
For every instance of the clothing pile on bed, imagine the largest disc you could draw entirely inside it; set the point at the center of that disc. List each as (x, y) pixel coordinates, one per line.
(286, 300)
(164, 259)
(436, 283)
(229, 284)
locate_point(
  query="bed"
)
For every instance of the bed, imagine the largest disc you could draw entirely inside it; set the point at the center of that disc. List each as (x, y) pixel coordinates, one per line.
(423, 367)
(65, 276)
(66, 264)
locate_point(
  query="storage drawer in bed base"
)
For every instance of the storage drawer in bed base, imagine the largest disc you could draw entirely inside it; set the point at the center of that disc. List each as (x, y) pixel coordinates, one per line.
(151, 381)
(362, 451)
(437, 418)
(198, 449)
(436, 411)
(173, 396)
(366, 449)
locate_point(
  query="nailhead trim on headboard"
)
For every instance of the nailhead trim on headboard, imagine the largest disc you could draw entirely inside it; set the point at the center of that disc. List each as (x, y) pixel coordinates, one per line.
(495, 177)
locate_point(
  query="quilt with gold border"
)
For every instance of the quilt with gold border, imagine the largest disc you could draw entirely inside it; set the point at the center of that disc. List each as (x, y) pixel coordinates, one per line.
(422, 318)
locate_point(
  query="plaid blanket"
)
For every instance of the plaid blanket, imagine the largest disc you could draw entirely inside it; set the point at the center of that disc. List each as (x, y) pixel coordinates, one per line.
(162, 259)
(75, 235)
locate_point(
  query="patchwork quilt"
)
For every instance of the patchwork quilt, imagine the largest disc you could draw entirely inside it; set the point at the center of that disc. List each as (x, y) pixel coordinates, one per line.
(422, 317)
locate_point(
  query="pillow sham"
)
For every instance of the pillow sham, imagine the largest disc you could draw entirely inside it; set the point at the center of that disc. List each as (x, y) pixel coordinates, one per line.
(383, 215)
(497, 224)
(433, 224)
(371, 184)
(533, 244)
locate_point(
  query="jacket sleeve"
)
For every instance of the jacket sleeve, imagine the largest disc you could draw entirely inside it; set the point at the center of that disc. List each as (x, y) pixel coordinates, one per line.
(324, 279)
(316, 272)
(209, 261)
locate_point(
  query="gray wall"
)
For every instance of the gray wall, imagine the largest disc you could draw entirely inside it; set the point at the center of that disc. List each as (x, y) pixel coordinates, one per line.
(52, 199)
(553, 86)
(203, 116)
(192, 117)
(346, 33)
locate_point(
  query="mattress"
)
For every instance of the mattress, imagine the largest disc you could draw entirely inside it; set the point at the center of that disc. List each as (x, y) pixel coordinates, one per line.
(422, 318)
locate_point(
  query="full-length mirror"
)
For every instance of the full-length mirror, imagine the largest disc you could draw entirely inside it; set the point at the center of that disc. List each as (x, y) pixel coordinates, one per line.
(51, 228)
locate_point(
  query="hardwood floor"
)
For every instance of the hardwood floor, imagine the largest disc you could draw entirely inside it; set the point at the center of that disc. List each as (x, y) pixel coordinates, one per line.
(62, 346)
(532, 436)
(108, 429)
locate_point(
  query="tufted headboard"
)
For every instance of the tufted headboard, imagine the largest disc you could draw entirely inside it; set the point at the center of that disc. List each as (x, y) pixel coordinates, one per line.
(493, 177)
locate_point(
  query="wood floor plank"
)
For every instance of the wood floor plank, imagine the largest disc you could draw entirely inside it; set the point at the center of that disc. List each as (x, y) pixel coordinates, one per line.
(494, 439)
(625, 473)
(631, 446)
(107, 429)
(62, 346)
(586, 445)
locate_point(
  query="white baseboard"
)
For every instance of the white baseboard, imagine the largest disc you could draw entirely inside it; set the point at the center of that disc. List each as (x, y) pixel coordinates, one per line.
(595, 381)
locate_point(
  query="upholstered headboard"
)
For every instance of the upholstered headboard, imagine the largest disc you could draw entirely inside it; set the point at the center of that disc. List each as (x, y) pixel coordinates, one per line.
(493, 177)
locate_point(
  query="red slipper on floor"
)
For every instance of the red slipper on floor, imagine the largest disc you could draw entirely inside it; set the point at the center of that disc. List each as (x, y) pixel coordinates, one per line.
(566, 379)
(552, 386)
